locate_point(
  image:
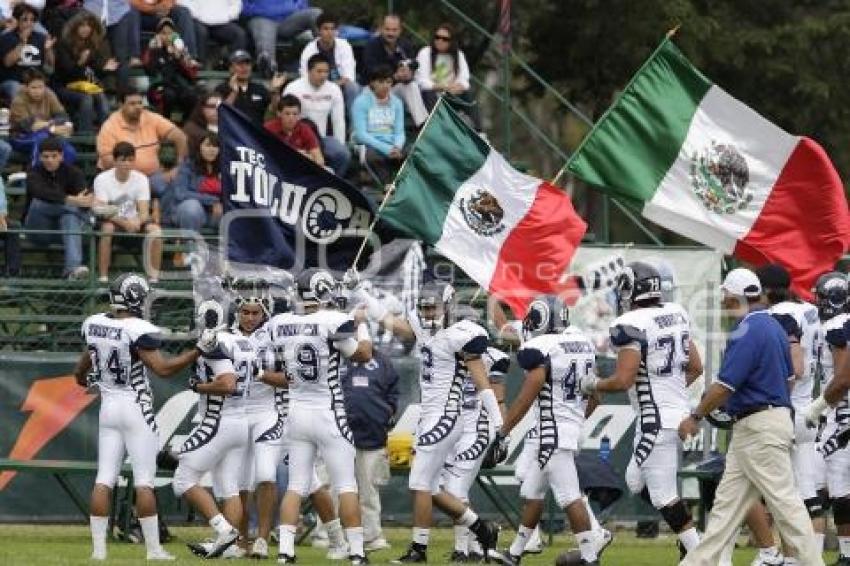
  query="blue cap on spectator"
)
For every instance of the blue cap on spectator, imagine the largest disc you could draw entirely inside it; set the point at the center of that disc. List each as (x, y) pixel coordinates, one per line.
(240, 56)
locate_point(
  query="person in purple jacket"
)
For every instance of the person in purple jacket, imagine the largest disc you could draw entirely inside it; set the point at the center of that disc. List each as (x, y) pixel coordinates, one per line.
(270, 19)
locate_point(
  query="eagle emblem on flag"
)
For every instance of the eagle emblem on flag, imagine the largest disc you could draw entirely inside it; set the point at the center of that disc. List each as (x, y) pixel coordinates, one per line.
(719, 178)
(483, 213)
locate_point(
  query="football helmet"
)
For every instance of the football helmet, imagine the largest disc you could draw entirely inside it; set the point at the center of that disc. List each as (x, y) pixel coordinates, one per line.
(315, 287)
(434, 305)
(211, 314)
(547, 314)
(831, 293)
(639, 284)
(252, 290)
(128, 293)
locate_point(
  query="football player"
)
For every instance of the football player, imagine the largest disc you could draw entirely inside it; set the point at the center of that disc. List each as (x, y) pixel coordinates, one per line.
(448, 352)
(312, 343)
(219, 442)
(831, 293)
(120, 347)
(656, 362)
(463, 464)
(555, 358)
(802, 324)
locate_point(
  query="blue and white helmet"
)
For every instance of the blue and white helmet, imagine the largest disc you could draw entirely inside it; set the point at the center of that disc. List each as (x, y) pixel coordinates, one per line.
(315, 287)
(831, 294)
(439, 296)
(547, 314)
(128, 292)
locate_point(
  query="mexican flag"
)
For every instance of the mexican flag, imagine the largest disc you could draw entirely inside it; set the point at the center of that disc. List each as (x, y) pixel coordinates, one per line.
(703, 164)
(512, 233)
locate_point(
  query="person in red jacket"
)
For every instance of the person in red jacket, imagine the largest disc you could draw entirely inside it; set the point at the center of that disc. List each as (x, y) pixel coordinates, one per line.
(289, 128)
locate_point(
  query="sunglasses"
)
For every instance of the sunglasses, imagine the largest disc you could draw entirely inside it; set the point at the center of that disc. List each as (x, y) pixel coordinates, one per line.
(442, 38)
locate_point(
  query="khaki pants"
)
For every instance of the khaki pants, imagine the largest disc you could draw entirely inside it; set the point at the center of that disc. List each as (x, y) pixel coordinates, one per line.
(758, 464)
(372, 470)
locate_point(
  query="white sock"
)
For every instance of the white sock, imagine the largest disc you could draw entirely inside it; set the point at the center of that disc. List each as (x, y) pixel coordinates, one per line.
(523, 533)
(355, 541)
(844, 546)
(594, 524)
(587, 545)
(421, 536)
(462, 538)
(220, 524)
(534, 538)
(287, 539)
(689, 538)
(791, 561)
(336, 537)
(475, 546)
(819, 540)
(150, 530)
(468, 518)
(99, 526)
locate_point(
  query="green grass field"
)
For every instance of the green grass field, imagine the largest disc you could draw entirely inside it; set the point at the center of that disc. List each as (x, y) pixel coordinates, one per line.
(47, 545)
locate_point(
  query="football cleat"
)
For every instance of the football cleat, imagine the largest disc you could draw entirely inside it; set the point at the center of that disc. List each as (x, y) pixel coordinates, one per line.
(605, 537)
(222, 542)
(285, 559)
(160, 554)
(842, 561)
(768, 558)
(234, 551)
(459, 557)
(505, 558)
(260, 548)
(200, 548)
(357, 560)
(415, 553)
(338, 551)
(377, 544)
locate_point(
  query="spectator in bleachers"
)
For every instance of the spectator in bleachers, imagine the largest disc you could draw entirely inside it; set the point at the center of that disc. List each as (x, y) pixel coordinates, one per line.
(122, 201)
(57, 199)
(10, 241)
(36, 114)
(443, 69)
(22, 48)
(172, 71)
(322, 99)
(146, 131)
(340, 57)
(123, 30)
(389, 48)
(249, 96)
(57, 13)
(269, 20)
(378, 118)
(216, 20)
(152, 11)
(202, 121)
(196, 198)
(291, 130)
(83, 61)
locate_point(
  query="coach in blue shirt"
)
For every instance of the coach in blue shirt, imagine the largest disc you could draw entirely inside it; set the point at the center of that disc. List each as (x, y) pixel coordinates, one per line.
(754, 384)
(371, 398)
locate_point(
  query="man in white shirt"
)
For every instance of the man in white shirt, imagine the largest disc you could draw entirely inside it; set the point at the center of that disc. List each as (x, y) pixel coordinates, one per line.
(340, 56)
(122, 201)
(217, 19)
(320, 99)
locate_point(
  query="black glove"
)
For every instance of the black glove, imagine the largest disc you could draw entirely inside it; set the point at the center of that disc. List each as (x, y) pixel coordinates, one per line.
(497, 452)
(166, 460)
(194, 381)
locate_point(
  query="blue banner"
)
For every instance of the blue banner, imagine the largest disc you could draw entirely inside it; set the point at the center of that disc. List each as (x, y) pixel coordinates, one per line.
(282, 209)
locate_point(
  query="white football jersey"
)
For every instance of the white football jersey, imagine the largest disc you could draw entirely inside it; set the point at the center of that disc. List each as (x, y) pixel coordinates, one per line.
(113, 345)
(801, 321)
(662, 335)
(442, 364)
(832, 336)
(261, 396)
(234, 354)
(567, 358)
(309, 346)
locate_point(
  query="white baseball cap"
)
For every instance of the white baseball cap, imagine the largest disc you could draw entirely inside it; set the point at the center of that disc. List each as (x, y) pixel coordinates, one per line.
(742, 282)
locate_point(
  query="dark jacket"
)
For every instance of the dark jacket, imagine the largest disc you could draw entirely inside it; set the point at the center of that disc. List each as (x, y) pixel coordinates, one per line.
(68, 69)
(253, 101)
(375, 54)
(54, 187)
(371, 397)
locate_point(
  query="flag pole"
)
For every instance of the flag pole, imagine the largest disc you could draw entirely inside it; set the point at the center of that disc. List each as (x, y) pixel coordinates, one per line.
(391, 189)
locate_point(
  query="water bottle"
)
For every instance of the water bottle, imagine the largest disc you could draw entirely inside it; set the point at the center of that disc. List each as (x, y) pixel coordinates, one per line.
(605, 448)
